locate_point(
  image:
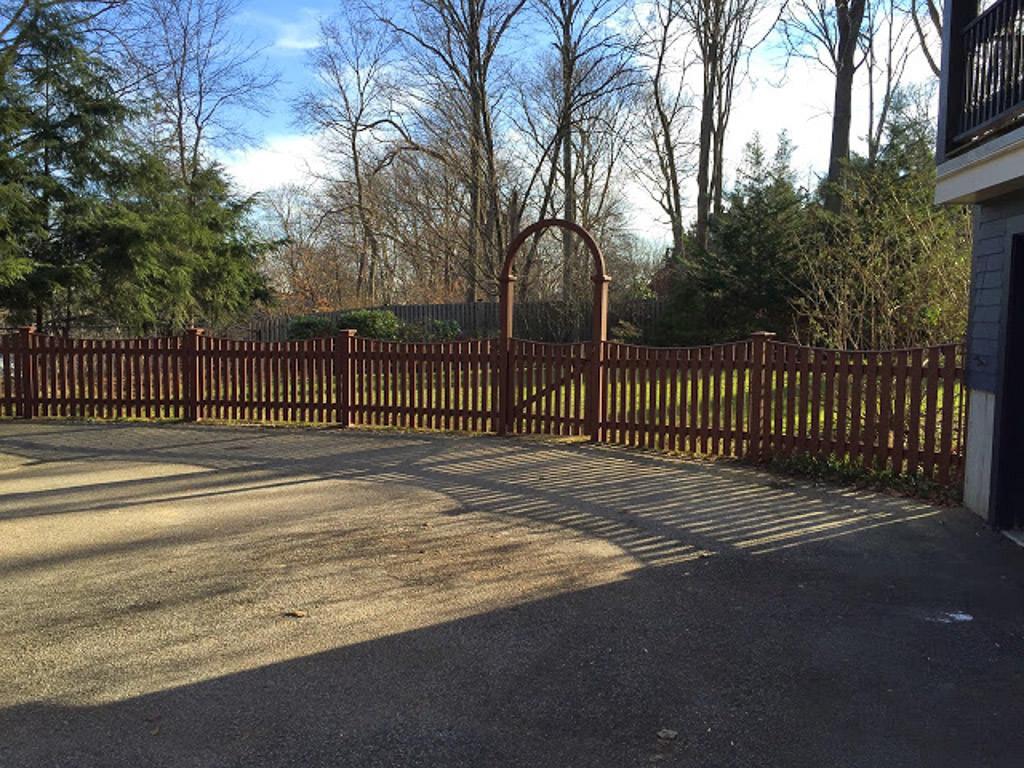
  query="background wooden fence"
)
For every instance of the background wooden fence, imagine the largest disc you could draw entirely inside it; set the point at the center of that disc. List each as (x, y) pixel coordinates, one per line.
(904, 410)
(547, 320)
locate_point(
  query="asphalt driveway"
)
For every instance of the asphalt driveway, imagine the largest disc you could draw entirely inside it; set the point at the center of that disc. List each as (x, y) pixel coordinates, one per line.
(177, 595)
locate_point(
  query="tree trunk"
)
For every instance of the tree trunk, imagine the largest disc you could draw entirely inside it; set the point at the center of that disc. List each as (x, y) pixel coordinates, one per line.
(565, 129)
(849, 15)
(569, 214)
(707, 130)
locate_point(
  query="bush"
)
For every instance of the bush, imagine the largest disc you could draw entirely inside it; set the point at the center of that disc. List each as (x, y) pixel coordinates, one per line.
(311, 327)
(625, 332)
(371, 323)
(432, 330)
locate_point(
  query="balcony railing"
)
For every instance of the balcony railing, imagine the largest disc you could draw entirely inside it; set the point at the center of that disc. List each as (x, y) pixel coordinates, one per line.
(992, 94)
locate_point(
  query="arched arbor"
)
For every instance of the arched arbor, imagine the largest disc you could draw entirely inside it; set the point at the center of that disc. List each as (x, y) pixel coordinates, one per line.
(594, 403)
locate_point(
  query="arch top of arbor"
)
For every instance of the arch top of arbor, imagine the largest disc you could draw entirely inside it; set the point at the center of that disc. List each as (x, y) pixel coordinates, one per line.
(600, 273)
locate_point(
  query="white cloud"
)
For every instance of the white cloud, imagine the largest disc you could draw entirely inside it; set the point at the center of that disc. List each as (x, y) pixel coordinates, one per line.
(302, 35)
(299, 32)
(278, 161)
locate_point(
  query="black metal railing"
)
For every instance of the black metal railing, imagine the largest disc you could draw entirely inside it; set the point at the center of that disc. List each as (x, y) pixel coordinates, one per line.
(993, 76)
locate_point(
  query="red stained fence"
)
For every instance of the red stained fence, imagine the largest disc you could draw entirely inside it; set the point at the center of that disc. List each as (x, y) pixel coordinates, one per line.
(756, 399)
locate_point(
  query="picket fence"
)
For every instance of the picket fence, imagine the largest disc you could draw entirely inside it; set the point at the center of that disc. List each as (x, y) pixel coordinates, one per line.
(904, 410)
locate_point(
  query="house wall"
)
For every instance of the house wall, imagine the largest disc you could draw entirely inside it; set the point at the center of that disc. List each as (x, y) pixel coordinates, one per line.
(978, 465)
(996, 221)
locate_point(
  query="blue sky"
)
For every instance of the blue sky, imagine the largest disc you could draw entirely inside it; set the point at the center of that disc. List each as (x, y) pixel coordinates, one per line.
(284, 33)
(285, 40)
(796, 98)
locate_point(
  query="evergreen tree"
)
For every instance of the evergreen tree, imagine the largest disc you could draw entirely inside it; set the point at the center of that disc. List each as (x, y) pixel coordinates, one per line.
(93, 230)
(172, 253)
(748, 276)
(59, 119)
(752, 267)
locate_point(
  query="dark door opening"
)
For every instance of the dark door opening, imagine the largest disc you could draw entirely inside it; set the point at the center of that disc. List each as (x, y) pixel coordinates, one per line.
(1008, 458)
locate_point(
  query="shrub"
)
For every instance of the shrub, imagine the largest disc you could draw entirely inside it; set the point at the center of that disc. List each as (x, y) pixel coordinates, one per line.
(311, 327)
(431, 330)
(371, 323)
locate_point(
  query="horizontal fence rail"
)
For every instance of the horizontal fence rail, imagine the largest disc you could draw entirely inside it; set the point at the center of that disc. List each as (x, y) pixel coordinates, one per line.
(902, 410)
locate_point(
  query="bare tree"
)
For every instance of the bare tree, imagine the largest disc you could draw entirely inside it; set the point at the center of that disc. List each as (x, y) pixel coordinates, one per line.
(927, 18)
(452, 49)
(830, 32)
(309, 268)
(197, 75)
(665, 157)
(888, 44)
(592, 62)
(720, 29)
(875, 37)
(425, 218)
(352, 109)
(606, 131)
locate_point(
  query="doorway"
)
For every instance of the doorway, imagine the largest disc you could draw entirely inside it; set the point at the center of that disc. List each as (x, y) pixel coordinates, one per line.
(1008, 458)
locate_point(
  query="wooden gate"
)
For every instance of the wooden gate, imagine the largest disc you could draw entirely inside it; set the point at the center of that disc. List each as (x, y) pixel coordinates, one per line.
(548, 388)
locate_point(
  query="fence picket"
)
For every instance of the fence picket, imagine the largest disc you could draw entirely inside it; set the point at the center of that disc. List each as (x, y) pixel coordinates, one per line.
(620, 353)
(915, 415)
(642, 396)
(744, 351)
(693, 417)
(857, 386)
(471, 376)
(659, 363)
(931, 412)
(674, 406)
(871, 436)
(885, 404)
(843, 408)
(703, 375)
(777, 434)
(900, 394)
(792, 391)
(729, 372)
(805, 409)
(820, 395)
(945, 448)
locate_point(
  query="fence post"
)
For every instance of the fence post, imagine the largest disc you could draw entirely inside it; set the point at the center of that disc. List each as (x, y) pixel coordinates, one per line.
(759, 396)
(192, 374)
(26, 372)
(595, 379)
(343, 347)
(506, 373)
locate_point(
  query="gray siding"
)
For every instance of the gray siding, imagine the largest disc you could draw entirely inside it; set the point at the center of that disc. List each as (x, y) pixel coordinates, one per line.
(995, 224)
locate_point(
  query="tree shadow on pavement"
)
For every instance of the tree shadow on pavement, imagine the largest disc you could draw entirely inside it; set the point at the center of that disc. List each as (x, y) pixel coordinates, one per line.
(216, 596)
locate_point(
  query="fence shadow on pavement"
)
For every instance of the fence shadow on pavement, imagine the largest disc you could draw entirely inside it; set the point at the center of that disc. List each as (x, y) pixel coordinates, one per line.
(204, 595)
